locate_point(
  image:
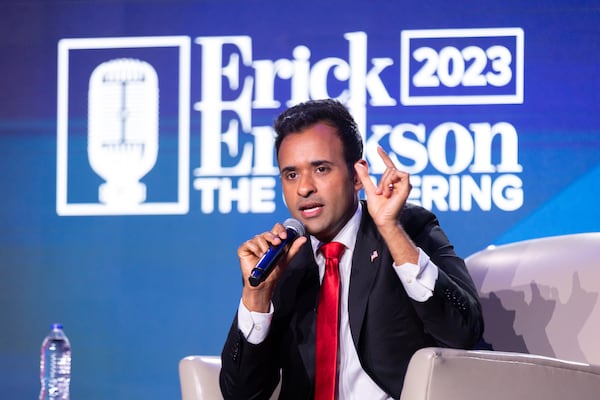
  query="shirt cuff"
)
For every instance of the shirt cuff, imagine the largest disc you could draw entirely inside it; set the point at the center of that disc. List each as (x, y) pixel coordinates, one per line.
(418, 280)
(254, 325)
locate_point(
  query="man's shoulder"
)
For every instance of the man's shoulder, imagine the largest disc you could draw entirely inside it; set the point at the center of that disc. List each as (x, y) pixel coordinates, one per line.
(415, 210)
(410, 211)
(415, 217)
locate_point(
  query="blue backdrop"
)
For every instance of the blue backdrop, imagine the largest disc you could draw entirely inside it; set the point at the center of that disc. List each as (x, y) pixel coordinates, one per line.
(136, 153)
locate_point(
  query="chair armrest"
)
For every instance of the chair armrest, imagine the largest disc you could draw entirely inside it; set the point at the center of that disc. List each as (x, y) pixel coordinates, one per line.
(450, 374)
(199, 377)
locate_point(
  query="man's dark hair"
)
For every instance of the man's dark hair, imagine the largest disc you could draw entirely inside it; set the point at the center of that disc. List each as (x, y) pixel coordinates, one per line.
(302, 116)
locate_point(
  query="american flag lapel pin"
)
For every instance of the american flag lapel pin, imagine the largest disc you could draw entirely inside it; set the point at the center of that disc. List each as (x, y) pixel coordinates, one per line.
(374, 255)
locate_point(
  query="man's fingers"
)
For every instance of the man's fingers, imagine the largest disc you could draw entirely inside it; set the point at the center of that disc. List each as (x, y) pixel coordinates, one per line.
(386, 159)
(295, 247)
(260, 243)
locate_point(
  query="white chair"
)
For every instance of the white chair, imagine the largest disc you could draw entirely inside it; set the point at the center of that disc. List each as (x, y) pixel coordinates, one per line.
(541, 307)
(199, 378)
(450, 374)
(542, 296)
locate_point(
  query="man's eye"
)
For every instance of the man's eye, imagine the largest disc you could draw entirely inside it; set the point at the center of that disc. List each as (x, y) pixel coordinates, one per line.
(322, 169)
(291, 175)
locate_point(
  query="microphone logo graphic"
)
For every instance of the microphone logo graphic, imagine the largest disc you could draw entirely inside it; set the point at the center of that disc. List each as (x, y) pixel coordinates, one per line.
(123, 129)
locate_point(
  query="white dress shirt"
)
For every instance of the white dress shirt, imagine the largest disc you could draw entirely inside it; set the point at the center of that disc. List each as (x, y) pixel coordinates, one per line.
(353, 382)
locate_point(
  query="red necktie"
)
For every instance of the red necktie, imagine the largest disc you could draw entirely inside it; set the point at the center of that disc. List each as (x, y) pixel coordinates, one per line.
(327, 323)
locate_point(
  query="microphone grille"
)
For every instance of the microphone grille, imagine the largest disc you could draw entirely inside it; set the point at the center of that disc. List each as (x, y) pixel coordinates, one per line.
(295, 225)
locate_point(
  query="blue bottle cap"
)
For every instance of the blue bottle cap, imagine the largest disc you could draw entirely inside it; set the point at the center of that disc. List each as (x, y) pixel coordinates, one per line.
(56, 326)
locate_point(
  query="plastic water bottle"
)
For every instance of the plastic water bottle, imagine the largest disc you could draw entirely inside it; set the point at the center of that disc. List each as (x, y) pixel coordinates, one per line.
(55, 365)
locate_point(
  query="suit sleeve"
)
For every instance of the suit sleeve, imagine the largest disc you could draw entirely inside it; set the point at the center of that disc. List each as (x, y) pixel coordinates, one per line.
(248, 371)
(452, 315)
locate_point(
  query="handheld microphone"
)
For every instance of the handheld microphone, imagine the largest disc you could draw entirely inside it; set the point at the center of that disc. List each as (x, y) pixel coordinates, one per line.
(267, 262)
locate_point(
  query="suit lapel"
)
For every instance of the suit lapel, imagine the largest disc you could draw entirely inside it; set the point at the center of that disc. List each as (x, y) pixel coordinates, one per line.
(365, 264)
(305, 324)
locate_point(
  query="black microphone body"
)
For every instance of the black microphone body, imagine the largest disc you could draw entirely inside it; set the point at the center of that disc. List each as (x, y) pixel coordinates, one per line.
(267, 262)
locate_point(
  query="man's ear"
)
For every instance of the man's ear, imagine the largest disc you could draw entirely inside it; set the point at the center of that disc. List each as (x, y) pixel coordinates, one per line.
(357, 182)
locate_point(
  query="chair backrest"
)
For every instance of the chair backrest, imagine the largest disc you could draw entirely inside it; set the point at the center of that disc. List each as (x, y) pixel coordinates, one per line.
(199, 378)
(541, 296)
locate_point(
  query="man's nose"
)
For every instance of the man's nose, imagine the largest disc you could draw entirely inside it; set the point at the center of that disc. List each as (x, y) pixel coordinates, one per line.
(306, 186)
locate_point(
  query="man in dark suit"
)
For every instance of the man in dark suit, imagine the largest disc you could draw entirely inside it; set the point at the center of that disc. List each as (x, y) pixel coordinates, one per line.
(401, 285)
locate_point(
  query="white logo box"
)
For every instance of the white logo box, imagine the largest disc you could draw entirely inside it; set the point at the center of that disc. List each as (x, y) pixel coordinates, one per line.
(104, 155)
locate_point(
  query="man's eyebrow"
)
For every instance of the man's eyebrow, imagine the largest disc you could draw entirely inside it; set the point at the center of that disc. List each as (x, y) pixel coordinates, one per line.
(287, 169)
(314, 163)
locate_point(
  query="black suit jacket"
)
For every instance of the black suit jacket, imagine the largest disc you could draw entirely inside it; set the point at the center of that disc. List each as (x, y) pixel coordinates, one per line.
(387, 326)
